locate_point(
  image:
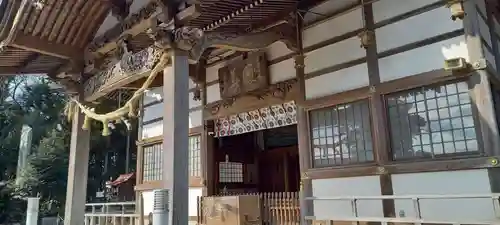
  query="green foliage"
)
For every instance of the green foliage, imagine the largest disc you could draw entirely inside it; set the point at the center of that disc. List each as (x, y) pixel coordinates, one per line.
(32, 102)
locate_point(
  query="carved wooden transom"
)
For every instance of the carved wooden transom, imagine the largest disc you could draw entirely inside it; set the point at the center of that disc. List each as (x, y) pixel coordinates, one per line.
(265, 118)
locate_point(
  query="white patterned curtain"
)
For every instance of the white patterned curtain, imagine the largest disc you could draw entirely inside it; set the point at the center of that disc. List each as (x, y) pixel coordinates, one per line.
(265, 118)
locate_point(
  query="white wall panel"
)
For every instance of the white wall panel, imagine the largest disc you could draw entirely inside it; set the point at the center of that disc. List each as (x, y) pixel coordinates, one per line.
(194, 193)
(152, 112)
(213, 72)
(406, 31)
(338, 81)
(148, 200)
(282, 71)
(213, 93)
(333, 27)
(276, 50)
(193, 103)
(152, 129)
(445, 183)
(350, 186)
(423, 59)
(195, 118)
(152, 95)
(191, 84)
(340, 52)
(386, 9)
(327, 8)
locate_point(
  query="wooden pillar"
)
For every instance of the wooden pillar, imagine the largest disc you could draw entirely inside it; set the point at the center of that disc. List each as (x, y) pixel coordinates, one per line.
(77, 171)
(175, 137)
(207, 140)
(379, 118)
(208, 158)
(480, 88)
(306, 207)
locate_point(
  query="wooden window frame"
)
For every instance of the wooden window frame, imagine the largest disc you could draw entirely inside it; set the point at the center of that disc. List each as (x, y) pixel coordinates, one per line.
(370, 117)
(194, 181)
(435, 77)
(479, 153)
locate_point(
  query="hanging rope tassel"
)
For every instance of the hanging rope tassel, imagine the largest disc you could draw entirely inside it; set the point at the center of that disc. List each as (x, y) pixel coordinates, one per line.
(128, 108)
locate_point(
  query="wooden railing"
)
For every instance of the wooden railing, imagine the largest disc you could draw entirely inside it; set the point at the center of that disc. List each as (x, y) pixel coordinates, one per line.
(277, 208)
(416, 200)
(116, 213)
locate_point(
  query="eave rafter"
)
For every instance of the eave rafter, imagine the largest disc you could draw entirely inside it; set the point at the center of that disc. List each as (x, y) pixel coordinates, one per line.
(35, 44)
(138, 23)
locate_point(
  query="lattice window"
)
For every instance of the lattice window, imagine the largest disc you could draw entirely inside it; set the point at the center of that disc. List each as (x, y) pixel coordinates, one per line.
(341, 134)
(432, 122)
(153, 162)
(194, 156)
(230, 172)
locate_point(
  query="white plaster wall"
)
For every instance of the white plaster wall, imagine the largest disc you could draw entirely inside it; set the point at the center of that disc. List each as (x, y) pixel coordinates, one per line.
(193, 103)
(338, 81)
(156, 128)
(333, 27)
(152, 112)
(340, 52)
(276, 50)
(194, 193)
(153, 94)
(148, 201)
(407, 31)
(327, 8)
(195, 118)
(213, 93)
(386, 9)
(152, 130)
(350, 186)
(423, 59)
(282, 71)
(445, 183)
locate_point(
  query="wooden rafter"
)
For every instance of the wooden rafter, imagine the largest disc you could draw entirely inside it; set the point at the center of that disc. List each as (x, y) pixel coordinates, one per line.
(35, 44)
(183, 16)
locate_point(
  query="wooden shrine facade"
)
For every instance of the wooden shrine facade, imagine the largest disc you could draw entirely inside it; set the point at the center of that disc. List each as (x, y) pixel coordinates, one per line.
(365, 102)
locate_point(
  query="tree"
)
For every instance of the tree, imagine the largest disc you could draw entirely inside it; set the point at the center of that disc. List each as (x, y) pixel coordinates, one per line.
(47, 171)
(33, 102)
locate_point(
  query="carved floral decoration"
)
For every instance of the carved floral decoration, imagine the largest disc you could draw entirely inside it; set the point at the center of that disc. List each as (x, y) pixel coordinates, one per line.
(130, 64)
(265, 118)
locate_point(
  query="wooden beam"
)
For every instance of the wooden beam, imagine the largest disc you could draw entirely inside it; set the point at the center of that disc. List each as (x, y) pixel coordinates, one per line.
(183, 16)
(35, 44)
(480, 88)
(8, 70)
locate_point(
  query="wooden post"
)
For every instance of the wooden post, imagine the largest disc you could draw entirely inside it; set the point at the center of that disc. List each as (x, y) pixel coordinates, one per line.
(175, 136)
(306, 207)
(480, 88)
(380, 131)
(77, 171)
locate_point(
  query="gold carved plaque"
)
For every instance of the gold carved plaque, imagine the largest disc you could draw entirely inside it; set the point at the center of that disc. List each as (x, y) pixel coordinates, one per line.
(244, 76)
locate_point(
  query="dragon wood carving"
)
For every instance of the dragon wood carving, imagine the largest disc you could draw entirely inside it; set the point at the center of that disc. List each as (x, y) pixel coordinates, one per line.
(189, 39)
